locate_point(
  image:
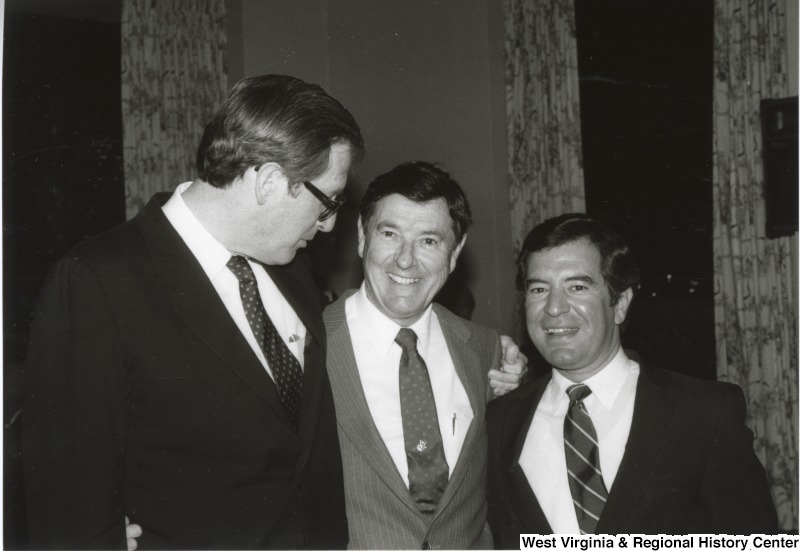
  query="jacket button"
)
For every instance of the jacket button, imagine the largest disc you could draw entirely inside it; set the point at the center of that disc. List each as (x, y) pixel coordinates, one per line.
(426, 544)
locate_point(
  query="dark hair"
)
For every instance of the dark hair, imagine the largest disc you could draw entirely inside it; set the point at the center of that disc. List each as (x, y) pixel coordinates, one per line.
(421, 182)
(617, 264)
(275, 118)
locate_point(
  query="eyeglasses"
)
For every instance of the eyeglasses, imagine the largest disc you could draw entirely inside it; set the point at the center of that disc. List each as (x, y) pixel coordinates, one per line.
(331, 205)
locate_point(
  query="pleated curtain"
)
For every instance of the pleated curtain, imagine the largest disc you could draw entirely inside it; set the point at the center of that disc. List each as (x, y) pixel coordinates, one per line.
(173, 79)
(543, 110)
(755, 278)
(756, 295)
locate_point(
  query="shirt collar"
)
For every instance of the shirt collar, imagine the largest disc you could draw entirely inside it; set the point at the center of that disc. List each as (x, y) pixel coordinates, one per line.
(210, 253)
(384, 330)
(605, 384)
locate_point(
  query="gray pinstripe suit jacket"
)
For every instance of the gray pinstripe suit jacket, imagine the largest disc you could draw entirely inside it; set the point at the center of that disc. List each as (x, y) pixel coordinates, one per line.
(380, 511)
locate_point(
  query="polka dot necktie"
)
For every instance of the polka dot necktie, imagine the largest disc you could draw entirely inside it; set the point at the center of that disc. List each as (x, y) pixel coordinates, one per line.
(583, 461)
(284, 366)
(427, 466)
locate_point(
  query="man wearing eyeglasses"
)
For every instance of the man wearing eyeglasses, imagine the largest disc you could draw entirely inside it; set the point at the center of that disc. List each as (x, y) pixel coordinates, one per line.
(147, 393)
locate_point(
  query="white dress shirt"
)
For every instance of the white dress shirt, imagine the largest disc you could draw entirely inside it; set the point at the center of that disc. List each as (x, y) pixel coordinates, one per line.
(213, 258)
(610, 405)
(378, 360)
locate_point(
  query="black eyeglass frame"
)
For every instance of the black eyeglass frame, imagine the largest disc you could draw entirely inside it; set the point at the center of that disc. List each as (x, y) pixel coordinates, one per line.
(331, 205)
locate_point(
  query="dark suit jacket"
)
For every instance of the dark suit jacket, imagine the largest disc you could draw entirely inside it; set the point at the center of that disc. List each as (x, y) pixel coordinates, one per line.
(688, 467)
(380, 510)
(142, 398)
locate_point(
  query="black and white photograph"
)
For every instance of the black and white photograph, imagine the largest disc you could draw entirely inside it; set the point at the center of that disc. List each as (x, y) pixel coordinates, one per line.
(426, 274)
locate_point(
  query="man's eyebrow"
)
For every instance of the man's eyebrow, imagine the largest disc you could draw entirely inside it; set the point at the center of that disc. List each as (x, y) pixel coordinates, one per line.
(535, 280)
(387, 224)
(434, 233)
(582, 278)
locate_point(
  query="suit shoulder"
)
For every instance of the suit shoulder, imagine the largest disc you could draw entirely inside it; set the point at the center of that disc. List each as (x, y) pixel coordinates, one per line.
(107, 242)
(686, 387)
(334, 314)
(481, 331)
(114, 247)
(132, 250)
(687, 382)
(449, 319)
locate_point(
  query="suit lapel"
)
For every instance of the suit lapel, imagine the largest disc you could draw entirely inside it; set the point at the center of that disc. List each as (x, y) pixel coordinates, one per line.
(307, 308)
(513, 432)
(352, 411)
(457, 335)
(314, 353)
(652, 421)
(653, 414)
(198, 305)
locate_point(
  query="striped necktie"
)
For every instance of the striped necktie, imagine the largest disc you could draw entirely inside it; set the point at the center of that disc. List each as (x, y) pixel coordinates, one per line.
(284, 366)
(583, 461)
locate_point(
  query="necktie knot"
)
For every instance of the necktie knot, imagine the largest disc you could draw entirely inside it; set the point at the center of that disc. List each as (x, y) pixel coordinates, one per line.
(241, 269)
(407, 339)
(578, 392)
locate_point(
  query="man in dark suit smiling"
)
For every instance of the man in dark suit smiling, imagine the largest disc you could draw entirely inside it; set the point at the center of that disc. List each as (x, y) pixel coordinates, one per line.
(176, 372)
(604, 444)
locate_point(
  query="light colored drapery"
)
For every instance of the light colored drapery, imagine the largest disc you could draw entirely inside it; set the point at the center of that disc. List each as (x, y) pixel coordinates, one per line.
(173, 79)
(754, 277)
(543, 109)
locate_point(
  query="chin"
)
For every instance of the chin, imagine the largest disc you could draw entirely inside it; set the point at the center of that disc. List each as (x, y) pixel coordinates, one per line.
(405, 315)
(561, 361)
(289, 257)
(277, 259)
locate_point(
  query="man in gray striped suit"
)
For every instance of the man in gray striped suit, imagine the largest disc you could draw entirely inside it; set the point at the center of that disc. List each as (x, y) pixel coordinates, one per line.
(413, 442)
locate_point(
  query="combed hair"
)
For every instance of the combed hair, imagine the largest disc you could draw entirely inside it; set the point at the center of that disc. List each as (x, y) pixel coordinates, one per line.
(275, 118)
(617, 263)
(420, 182)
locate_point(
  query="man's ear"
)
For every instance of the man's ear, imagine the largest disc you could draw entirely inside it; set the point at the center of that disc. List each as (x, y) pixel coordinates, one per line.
(622, 305)
(361, 238)
(456, 252)
(269, 179)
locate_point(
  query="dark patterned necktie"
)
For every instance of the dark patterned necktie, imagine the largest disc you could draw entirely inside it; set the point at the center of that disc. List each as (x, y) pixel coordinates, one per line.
(284, 366)
(427, 466)
(583, 461)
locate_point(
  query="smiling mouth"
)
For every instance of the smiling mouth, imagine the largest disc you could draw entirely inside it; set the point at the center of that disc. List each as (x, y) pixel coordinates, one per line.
(403, 280)
(560, 331)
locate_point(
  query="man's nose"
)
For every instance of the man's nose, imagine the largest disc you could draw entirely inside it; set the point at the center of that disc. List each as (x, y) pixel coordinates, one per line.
(404, 257)
(327, 224)
(556, 304)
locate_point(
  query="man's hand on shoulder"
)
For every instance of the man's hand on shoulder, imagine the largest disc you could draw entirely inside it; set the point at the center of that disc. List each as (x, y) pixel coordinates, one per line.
(513, 367)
